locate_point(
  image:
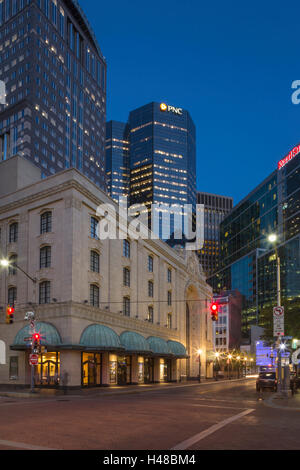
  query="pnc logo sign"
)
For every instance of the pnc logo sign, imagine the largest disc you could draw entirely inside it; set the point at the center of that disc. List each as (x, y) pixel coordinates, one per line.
(171, 109)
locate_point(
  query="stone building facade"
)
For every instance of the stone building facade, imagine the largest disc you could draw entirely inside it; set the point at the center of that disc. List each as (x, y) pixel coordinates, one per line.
(109, 311)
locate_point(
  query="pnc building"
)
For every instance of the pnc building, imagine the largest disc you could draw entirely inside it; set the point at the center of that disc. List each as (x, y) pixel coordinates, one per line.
(162, 155)
(55, 77)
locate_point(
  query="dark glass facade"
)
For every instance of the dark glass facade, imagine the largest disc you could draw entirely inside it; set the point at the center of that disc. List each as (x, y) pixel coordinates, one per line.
(117, 159)
(215, 209)
(162, 156)
(248, 261)
(55, 77)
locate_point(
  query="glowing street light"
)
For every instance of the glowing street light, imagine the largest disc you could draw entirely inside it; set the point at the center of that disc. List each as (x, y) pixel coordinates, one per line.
(4, 263)
(272, 238)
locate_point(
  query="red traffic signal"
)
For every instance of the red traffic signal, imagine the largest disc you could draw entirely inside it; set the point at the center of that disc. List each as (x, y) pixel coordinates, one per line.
(10, 314)
(36, 337)
(214, 311)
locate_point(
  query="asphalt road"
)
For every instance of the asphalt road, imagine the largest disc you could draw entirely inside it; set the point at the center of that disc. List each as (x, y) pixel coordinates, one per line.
(216, 416)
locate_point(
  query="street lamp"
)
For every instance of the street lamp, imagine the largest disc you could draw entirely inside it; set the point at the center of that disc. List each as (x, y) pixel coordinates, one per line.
(273, 238)
(200, 354)
(5, 263)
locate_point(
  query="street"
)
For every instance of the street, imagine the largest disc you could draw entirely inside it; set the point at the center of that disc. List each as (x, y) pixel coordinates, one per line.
(204, 417)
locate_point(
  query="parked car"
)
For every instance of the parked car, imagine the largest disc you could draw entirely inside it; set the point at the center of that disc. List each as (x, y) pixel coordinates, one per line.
(266, 380)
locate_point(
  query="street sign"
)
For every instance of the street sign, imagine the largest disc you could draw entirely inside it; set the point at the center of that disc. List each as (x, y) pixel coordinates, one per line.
(33, 359)
(278, 312)
(278, 321)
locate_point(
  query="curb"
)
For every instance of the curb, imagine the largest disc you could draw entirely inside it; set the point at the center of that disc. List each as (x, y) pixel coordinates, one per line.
(269, 403)
(126, 391)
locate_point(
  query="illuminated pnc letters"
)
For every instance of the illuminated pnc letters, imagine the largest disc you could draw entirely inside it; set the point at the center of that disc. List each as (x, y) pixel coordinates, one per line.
(171, 109)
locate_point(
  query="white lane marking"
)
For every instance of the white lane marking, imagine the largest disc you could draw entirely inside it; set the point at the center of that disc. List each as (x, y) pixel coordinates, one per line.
(19, 445)
(219, 406)
(202, 435)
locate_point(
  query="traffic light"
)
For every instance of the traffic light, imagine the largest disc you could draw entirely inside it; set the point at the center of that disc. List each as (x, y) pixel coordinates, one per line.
(214, 311)
(36, 342)
(10, 310)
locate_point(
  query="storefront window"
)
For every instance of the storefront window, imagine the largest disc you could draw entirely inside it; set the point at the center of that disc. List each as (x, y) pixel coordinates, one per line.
(124, 370)
(91, 370)
(113, 372)
(141, 370)
(148, 370)
(47, 372)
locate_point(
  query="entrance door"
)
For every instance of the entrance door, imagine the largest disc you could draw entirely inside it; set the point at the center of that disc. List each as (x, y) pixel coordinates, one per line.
(168, 370)
(149, 370)
(124, 370)
(91, 370)
(47, 371)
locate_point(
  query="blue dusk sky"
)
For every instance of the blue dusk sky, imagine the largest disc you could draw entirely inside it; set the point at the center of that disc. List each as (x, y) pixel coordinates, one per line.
(229, 63)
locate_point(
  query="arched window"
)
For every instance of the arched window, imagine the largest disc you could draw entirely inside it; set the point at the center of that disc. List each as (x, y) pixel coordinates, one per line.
(46, 222)
(44, 293)
(13, 232)
(95, 262)
(94, 295)
(12, 295)
(45, 257)
(13, 261)
(2, 353)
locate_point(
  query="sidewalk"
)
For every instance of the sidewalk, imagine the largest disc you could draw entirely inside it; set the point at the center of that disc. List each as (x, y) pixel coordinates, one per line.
(131, 389)
(292, 404)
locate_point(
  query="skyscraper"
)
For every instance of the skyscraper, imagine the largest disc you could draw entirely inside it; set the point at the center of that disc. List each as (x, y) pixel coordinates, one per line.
(215, 209)
(162, 155)
(117, 159)
(55, 77)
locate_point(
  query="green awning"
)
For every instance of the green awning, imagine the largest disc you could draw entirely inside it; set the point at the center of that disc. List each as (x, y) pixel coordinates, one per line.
(48, 332)
(159, 346)
(177, 349)
(100, 338)
(134, 343)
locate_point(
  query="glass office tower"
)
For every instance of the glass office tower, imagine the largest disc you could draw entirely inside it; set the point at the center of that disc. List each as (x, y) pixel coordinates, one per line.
(215, 209)
(117, 159)
(55, 77)
(247, 261)
(162, 156)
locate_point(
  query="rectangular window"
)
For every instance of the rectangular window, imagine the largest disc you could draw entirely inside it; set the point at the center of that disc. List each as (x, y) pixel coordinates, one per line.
(150, 264)
(169, 321)
(44, 297)
(94, 225)
(169, 275)
(150, 289)
(169, 298)
(13, 368)
(126, 249)
(95, 262)
(150, 315)
(126, 277)
(126, 306)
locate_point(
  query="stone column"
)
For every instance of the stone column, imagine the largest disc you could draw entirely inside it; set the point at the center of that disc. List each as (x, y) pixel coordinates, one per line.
(105, 370)
(156, 370)
(134, 370)
(70, 363)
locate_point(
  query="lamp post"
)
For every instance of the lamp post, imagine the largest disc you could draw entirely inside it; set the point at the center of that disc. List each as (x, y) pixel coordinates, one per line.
(4, 263)
(273, 238)
(229, 364)
(200, 354)
(217, 360)
(238, 359)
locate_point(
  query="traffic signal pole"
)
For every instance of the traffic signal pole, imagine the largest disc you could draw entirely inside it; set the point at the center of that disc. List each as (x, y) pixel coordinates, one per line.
(279, 385)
